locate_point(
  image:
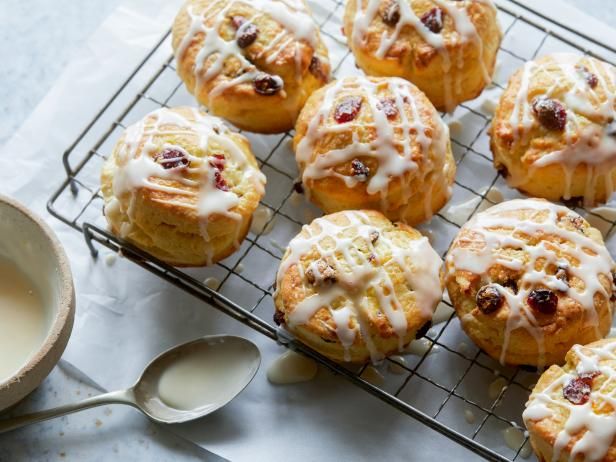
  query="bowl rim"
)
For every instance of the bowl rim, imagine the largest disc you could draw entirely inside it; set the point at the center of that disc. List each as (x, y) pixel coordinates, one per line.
(65, 297)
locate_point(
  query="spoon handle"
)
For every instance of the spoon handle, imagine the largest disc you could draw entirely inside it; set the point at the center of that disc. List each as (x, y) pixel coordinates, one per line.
(115, 397)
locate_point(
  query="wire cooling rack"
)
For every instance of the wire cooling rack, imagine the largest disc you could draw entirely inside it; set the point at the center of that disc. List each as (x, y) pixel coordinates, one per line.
(452, 386)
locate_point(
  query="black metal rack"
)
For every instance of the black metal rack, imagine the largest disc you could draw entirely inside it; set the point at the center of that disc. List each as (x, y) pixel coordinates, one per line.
(154, 83)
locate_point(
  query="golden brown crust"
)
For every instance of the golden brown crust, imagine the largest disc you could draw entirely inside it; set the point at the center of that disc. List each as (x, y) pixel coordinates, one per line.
(544, 432)
(413, 137)
(165, 215)
(374, 333)
(522, 146)
(424, 61)
(570, 323)
(303, 66)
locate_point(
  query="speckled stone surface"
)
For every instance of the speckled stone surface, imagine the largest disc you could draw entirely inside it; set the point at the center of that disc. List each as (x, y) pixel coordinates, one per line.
(37, 39)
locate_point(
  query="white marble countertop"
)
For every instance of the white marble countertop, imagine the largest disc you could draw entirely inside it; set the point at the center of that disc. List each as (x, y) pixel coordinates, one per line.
(37, 39)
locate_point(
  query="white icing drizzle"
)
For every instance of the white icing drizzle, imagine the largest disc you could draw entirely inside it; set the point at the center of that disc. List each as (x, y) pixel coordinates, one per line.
(355, 273)
(592, 259)
(599, 428)
(136, 167)
(514, 439)
(290, 368)
(593, 148)
(395, 154)
(464, 32)
(205, 25)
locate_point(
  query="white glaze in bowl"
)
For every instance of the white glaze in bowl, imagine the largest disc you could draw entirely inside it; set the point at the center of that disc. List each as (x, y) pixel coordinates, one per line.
(29, 243)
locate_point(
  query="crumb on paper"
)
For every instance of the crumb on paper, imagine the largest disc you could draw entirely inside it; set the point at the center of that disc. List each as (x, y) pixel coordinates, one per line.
(110, 259)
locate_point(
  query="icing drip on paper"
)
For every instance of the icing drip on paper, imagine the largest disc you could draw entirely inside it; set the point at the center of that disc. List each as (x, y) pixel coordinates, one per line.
(496, 231)
(596, 418)
(205, 25)
(355, 272)
(464, 32)
(594, 148)
(137, 168)
(396, 155)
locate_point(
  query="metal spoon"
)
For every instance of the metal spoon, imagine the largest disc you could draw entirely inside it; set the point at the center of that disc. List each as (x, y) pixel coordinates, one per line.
(144, 395)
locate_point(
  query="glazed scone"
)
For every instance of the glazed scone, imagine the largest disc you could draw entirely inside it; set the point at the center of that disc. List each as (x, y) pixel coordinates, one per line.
(528, 280)
(182, 186)
(252, 62)
(357, 287)
(553, 133)
(571, 413)
(447, 48)
(374, 143)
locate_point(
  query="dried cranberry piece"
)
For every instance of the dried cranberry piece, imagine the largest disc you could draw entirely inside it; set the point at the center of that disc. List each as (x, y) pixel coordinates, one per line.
(298, 187)
(278, 317)
(360, 170)
(577, 391)
(543, 300)
(348, 109)
(246, 35)
(316, 68)
(591, 79)
(391, 13)
(423, 330)
(550, 113)
(433, 20)
(238, 21)
(220, 182)
(172, 158)
(266, 84)
(511, 284)
(388, 106)
(489, 299)
(217, 162)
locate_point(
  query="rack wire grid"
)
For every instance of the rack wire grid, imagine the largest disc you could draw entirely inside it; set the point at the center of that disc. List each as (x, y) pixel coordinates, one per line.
(447, 387)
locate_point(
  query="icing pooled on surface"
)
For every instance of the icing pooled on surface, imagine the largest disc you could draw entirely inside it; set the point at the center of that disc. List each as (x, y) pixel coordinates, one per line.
(351, 248)
(588, 428)
(501, 227)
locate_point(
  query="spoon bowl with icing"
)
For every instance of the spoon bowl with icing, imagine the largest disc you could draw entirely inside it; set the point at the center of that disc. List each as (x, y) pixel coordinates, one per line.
(182, 384)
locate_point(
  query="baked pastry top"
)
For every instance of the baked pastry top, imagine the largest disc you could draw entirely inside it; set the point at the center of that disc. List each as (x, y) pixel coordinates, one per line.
(357, 287)
(252, 62)
(571, 413)
(447, 48)
(553, 133)
(377, 143)
(528, 280)
(182, 186)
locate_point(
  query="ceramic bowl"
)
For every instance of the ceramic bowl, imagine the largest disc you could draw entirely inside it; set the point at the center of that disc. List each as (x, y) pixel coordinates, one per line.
(28, 241)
